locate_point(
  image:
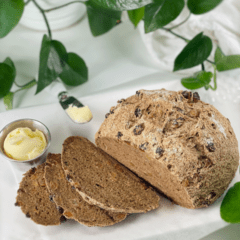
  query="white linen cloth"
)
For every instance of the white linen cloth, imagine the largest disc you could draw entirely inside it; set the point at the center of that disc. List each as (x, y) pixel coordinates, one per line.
(221, 25)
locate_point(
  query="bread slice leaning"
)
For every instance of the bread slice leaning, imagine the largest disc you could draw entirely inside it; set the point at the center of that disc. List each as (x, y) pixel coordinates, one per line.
(33, 198)
(104, 182)
(66, 197)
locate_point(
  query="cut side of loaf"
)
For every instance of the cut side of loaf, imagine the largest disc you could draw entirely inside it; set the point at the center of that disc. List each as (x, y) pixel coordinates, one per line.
(33, 198)
(182, 146)
(102, 181)
(66, 197)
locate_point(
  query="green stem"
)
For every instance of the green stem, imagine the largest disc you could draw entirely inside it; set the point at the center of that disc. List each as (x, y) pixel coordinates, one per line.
(211, 62)
(61, 6)
(17, 84)
(214, 79)
(175, 34)
(203, 68)
(27, 2)
(181, 22)
(27, 85)
(45, 18)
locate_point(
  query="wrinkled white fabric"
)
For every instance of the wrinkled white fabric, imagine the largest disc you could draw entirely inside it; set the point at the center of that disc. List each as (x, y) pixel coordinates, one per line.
(221, 25)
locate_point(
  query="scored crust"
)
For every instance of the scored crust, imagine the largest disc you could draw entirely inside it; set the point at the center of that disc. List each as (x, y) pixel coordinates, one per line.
(102, 181)
(74, 207)
(182, 146)
(33, 198)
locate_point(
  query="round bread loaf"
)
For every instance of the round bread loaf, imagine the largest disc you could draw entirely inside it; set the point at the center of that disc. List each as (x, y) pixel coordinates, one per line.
(182, 146)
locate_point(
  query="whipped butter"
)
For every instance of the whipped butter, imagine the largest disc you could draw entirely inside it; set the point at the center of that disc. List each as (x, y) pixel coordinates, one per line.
(79, 115)
(24, 144)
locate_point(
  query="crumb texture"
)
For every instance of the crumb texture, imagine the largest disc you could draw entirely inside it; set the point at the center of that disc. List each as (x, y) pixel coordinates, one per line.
(73, 205)
(182, 146)
(104, 182)
(33, 198)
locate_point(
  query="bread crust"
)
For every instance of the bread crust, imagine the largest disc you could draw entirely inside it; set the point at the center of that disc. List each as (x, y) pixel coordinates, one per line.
(181, 145)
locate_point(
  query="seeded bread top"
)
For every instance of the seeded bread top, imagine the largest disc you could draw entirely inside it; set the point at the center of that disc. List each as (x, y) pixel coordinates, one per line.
(65, 196)
(102, 181)
(191, 138)
(33, 198)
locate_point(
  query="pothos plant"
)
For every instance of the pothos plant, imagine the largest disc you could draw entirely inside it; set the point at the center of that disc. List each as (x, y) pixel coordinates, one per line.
(103, 15)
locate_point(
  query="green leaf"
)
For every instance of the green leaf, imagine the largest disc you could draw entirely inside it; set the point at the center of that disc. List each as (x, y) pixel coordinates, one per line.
(160, 13)
(195, 53)
(75, 71)
(8, 101)
(10, 63)
(230, 207)
(55, 62)
(218, 55)
(228, 63)
(6, 79)
(52, 56)
(202, 6)
(122, 5)
(101, 20)
(198, 80)
(224, 63)
(61, 51)
(10, 14)
(136, 15)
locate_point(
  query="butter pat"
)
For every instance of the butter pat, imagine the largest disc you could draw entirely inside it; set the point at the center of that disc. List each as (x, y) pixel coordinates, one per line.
(24, 144)
(79, 115)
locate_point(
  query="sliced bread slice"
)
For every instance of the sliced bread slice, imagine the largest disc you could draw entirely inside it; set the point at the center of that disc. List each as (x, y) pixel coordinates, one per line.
(33, 198)
(104, 182)
(66, 197)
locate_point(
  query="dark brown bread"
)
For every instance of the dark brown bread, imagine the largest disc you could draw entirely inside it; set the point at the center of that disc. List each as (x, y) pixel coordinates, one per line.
(182, 146)
(102, 181)
(33, 198)
(66, 197)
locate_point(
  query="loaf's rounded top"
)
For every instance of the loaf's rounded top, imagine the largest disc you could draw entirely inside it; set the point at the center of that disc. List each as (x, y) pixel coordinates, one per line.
(191, 138)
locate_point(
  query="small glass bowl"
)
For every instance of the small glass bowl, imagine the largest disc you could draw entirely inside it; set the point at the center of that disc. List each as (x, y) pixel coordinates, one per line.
(33, 125)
